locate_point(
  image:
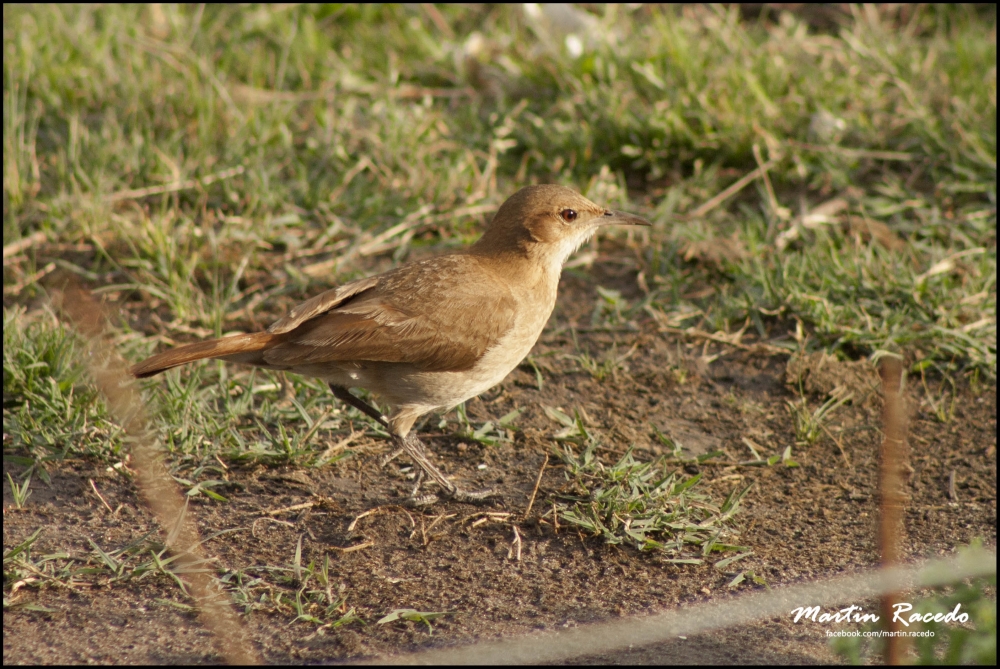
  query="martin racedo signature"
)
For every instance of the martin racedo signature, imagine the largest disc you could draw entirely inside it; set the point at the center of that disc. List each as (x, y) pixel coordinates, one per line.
(854, 613)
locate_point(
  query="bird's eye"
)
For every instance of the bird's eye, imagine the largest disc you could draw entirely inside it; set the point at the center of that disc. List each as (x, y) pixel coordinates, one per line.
(568, 215)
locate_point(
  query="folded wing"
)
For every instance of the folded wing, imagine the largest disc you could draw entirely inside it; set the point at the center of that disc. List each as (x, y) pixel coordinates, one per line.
(439, 315)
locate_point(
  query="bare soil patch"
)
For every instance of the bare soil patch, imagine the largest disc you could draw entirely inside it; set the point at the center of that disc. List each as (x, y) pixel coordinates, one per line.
(803, 522)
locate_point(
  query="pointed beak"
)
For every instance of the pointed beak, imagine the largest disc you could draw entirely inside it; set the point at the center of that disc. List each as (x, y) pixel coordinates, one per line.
(621, 218)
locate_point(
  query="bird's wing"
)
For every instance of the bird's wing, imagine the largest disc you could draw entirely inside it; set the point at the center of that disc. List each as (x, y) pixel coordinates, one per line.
(438, 315)
(321, 303)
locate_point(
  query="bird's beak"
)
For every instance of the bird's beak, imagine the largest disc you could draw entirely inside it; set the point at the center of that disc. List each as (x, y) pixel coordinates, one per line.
(621, 218)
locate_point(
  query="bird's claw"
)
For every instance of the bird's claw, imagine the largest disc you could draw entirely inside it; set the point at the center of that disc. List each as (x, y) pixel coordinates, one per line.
(474, 497)
(391, 456)
(456, 494)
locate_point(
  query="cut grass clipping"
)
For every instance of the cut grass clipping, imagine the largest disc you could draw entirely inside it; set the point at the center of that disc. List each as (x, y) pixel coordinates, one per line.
(646, 505)
(412, 615)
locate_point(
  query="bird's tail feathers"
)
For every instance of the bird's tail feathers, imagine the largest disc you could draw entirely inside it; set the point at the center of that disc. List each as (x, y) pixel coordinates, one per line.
(246, 348)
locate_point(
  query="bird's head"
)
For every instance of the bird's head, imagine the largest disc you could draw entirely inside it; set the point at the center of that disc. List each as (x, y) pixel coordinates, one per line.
(547, 222)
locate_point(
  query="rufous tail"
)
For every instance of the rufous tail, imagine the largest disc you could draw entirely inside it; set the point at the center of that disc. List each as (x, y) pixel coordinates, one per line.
(246, 348)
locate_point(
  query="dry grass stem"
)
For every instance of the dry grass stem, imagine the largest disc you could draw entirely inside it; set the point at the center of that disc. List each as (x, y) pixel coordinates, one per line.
(538, 482)
(892, 463)
(100, 496)
(515, 546)
(294, 507)
(379, 510)
(732, 190)
(110, 374)
(352, 549)
(23, 244)
(175, 186)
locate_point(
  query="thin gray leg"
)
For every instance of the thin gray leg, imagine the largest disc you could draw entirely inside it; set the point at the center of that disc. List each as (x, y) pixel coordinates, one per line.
(412, 447)
(392, 456)
(346, 396)
(415, 449)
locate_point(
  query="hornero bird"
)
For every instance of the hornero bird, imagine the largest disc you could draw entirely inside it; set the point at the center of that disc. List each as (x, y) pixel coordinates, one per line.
(430, 334)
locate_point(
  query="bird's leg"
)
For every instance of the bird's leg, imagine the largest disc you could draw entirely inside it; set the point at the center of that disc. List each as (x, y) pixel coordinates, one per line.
(418, 454)
(346, 396)
(392, 456)
(416, 485)
(412, 447)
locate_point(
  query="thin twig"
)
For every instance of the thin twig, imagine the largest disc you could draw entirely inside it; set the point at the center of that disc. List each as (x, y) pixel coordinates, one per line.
(440, 22)
(101, 497)
(772, 199)
(294, 507)
(498, 516)
(538, 482)
(363, 164)
(381, 510)
(110, 374)
(439, 519)
(421, 217)
(839, 445)
(173, 187)
(855, 153)
(20, 285)
(721, 339)
(253, 525)
(515, 546)
(728, 192)
(315, 426)
(351, 549)
(339, 446)
(23, 244)
(71, 585)
(402, 91)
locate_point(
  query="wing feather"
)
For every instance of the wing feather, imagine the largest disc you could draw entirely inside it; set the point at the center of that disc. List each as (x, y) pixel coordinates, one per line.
(321, 303)
(438, 315)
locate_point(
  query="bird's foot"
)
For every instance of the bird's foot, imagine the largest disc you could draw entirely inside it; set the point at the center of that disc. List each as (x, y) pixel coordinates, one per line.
(457, 494)
(451, 491)
(475, 496)
(392, 456)
(412, 446)
(421, 501)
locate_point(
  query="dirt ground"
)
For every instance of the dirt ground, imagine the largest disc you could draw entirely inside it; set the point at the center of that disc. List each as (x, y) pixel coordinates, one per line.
(801, 523)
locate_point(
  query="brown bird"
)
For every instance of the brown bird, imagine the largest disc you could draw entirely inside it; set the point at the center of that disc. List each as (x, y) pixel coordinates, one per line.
(433, 333)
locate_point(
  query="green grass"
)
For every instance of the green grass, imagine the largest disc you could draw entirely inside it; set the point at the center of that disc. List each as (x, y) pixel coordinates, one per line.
(643, 504)
(305, 593)
(810, 425)
(412, 615)
(281, 149)
(651, 505)
(48, 412)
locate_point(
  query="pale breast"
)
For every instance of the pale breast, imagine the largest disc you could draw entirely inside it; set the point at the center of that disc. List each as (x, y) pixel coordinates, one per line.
(405, 385)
